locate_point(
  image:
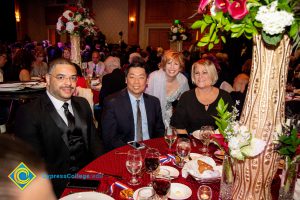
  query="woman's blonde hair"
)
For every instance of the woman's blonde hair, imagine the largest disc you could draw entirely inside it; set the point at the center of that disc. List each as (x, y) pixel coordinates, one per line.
(209, 66)
(172, 55)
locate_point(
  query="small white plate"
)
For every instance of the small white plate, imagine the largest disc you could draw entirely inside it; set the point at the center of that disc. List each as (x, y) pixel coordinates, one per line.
(87, 196)
(174, 173)
(196, 134)
(180, 191)
(219, 154)
(135, 194)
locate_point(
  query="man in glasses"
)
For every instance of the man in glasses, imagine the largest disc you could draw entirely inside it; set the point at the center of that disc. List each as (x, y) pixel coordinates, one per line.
(59, 125)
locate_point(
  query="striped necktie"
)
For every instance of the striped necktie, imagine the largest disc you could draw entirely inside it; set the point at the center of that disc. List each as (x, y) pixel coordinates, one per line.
(139, 132)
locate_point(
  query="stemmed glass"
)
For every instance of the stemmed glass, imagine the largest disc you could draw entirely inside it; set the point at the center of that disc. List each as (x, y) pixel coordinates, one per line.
(204, 193)
(204, 136)
(183, 149)
(151, 160)
(146, 193)
(161, 183)
(134, 165)
(170, 136)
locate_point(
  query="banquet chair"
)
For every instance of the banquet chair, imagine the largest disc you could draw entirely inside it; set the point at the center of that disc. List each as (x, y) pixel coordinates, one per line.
(88, 95)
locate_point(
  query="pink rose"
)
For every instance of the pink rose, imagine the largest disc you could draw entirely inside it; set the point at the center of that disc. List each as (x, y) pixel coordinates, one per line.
(222, 5)
(238, 9)
(202, 5)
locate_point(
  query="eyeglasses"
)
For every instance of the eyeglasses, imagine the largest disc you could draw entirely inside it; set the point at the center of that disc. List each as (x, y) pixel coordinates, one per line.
(62, 78)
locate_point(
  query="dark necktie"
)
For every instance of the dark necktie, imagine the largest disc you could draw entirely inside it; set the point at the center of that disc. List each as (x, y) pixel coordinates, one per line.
(139, 132)
(69, 116)
(94, 71)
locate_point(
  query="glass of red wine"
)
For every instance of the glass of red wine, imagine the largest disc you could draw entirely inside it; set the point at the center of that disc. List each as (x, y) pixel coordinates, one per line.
(151, 161)
(161, 183)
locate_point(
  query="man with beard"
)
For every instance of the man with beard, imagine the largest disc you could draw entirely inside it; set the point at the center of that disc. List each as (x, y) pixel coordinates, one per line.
(58, 125)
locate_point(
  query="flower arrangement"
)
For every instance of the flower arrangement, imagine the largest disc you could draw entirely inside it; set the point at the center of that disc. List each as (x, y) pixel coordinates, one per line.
(76, 20)
(288, 145)
(178, 32)
(234, 138)
(271, 18)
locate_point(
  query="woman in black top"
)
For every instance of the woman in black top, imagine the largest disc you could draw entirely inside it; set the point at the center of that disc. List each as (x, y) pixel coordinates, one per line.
(197, 107)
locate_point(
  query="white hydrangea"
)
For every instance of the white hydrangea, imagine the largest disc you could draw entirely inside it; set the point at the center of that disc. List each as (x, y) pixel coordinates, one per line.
(70, 27)
(67, 14)
(78, 17)
(59, 24)
(273, 21)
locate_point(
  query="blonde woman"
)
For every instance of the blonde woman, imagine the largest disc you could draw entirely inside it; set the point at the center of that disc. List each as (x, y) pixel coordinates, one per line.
(168, 83)
(197, 107)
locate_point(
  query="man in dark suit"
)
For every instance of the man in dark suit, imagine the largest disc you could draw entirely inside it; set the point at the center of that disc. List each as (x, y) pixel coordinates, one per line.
(131, 114)
(58, 125)
(114, 81)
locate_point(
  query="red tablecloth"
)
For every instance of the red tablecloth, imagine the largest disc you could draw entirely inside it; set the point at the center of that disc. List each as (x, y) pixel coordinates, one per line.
(115, 164)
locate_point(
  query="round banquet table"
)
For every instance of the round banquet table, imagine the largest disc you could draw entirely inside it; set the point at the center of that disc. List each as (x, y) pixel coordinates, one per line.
(114, 163)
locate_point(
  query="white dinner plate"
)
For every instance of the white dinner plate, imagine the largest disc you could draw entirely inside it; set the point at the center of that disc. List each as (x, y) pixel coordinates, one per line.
(193, 156)
(39, 85)
(8, 89)
(196, 134)
(10, 85)
(174, 173)
(87, 196)
(180, 191)
(135, 194)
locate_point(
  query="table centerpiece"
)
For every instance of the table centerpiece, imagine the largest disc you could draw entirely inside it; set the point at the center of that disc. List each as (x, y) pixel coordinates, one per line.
(274, 27)
(78, 22)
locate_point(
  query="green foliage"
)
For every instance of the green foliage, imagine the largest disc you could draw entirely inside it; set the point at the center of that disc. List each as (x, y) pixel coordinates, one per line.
(214, 26)
(222, 120)
(289, 144)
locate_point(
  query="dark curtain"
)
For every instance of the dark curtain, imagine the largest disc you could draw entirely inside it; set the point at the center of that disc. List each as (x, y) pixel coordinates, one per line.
(8, 32)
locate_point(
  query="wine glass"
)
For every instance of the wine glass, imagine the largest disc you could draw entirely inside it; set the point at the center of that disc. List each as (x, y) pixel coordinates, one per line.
(204, 136)
(146, 193)
(151, 160)
(161, 183)
(183, 149)
(134, 165)
(204, 193)
(170, 136)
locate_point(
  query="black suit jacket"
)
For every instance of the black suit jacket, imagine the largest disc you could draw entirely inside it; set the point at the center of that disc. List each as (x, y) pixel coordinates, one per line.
(112, 83)
(118, 122)
(39, 124)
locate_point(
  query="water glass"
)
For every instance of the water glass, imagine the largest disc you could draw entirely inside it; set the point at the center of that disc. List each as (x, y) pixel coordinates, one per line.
(183, 149)
(134, 165)
(170, 136)
(204, 193)
(146, 193)
(204, 136)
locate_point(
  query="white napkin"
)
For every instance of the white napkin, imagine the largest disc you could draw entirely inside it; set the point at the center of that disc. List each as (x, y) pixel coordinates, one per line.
(191, 168)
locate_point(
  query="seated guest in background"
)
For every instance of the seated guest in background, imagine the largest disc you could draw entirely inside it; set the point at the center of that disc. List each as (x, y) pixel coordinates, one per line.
(58, 125)
(114, 80)
(13, 152)
(3, 60)
(21, 66)
(167, 84)
(95, 67)
(197, 107)
(66, 54)
(131, 114)
(39, 68)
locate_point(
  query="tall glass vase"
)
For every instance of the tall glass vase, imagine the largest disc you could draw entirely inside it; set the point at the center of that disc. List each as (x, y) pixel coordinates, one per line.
(176, 45)
(227, 179)
(75, 49)
(288, 181)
